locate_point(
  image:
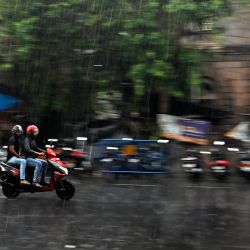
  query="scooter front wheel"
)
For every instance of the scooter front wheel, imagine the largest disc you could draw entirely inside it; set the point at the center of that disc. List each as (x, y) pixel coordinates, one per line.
(65, 190)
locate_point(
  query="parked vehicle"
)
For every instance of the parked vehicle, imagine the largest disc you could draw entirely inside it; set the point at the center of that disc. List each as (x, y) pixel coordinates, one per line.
(218, 164)
(244, 163)
(192, 163)
(127, 155)
(72, 152)
(10, 179)
(74, 159)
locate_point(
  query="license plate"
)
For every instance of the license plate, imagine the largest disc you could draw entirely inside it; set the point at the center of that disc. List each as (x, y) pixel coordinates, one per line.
(245, 169)
(189, 165)
(133, 160)
(86, 163)
(218, 168)
(189, 159)
(106, 160)
(195, 170)
(155, 164)
(245, 162)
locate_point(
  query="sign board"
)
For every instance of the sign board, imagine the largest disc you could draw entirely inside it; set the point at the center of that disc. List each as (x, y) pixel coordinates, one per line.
(182, 129)
(240, 132)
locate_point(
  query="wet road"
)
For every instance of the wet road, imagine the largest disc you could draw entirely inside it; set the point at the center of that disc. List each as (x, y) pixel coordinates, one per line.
(131, 213)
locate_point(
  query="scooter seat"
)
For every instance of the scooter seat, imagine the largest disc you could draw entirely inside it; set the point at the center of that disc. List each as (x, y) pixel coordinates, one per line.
(13, 165)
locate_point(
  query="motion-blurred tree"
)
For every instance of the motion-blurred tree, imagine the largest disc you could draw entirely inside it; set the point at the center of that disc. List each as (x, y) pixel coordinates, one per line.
(60, 52)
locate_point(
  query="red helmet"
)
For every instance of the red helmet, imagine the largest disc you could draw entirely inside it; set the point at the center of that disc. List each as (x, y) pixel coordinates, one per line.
(32, 129)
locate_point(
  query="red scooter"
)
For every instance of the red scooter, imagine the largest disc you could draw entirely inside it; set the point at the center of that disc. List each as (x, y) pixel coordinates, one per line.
(10, 179)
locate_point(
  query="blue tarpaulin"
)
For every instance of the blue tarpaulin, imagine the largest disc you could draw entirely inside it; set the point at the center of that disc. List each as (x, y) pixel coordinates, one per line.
(7, 101)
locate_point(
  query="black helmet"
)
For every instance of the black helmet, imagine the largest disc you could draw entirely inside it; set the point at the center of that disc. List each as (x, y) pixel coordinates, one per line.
(17, 129)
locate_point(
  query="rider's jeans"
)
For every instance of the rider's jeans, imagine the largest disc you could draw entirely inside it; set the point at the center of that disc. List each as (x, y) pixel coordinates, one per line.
(38, 169)
(22, 162)
(44, 168)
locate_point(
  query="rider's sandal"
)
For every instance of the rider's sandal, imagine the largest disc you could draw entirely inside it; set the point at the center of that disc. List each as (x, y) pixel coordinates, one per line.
(44, 183)
(24, 182)
(37, 185)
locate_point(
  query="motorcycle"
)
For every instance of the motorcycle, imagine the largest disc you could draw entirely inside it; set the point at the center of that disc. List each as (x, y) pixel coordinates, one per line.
(10, 179)
(218, 165)
(191, 163)
(244, 164)
(75, 159)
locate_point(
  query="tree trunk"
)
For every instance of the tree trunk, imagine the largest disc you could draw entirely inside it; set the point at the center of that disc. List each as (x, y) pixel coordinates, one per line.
(164, 105)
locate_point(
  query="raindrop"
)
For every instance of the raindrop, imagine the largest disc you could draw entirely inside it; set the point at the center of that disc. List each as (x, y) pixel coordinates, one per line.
(140, 8)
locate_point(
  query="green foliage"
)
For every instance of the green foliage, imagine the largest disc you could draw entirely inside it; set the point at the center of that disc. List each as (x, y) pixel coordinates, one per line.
(55, 45)
(197, 10)
(5, 66)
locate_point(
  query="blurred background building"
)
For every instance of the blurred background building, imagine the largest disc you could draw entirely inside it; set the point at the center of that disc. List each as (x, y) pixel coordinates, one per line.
(226, 77)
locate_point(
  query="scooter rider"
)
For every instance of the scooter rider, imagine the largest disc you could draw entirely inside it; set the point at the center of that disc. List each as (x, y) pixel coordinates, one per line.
(14, 156)
(31, 151)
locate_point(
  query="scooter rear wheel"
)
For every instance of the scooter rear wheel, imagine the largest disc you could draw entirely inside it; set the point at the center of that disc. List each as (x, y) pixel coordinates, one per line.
(65, 190)
(10, 190)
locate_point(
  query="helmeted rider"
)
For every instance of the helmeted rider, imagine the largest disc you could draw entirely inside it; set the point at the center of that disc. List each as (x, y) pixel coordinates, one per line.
(14, 156)
(32, 151)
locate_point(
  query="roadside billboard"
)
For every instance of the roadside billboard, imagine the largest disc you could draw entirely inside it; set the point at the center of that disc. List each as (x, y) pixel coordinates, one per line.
(182, 129)
(240, 132)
